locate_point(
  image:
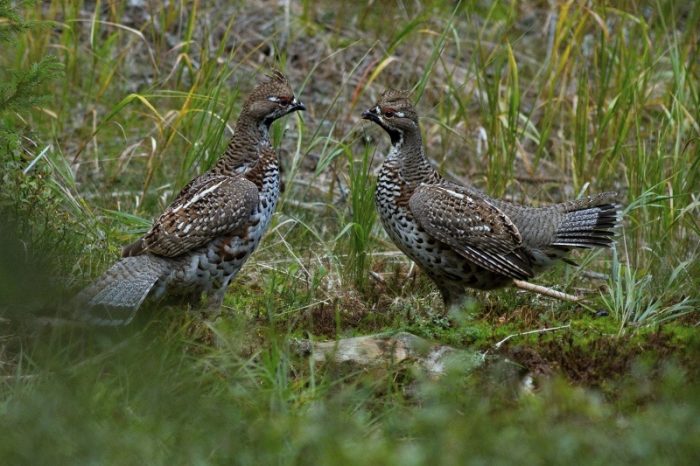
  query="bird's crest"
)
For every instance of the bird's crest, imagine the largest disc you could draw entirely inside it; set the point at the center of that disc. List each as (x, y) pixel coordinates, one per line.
(275, 75)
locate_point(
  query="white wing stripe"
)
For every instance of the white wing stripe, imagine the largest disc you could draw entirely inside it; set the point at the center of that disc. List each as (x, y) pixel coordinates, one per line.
(456, 194)
(198, 196)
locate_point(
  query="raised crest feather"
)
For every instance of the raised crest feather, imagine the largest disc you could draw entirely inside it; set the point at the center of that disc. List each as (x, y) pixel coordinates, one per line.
(276, 75)
(392, 95)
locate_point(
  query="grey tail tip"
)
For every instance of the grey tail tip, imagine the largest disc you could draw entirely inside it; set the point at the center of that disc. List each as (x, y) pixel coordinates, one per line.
(589, 227)
(101, 314)
(115, 297)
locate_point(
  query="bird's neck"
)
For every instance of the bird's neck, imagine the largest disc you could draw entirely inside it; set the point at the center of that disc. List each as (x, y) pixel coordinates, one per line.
(407, 152)
(243, 151)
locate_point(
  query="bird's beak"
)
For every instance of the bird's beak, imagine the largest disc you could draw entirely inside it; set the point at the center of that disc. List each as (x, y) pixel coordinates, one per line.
(296, 105)
(371, 114)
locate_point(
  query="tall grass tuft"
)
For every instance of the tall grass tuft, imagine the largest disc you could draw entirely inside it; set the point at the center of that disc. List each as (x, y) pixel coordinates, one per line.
(362, 215)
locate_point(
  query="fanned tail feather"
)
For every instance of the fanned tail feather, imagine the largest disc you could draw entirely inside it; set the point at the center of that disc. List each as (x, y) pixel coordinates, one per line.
(114, 297)
(589, 226)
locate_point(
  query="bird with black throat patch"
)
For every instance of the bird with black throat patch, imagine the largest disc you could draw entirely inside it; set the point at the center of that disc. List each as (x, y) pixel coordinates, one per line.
(461, 237)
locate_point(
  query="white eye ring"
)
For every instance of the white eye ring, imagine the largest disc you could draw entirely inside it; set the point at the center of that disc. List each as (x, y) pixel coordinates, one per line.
(400, 114)
(273, 99)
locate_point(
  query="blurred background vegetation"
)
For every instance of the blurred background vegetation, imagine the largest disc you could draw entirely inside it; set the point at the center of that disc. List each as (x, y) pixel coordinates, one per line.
(108, 108)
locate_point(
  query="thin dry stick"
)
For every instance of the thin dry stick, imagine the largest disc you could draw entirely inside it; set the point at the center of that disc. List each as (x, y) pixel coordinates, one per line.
(529, 332)
(377, 277)
(523, 285)
(594, 275)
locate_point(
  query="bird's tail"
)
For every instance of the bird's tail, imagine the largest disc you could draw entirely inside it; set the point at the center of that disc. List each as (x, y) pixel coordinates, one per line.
(589, 222)
(114, 297)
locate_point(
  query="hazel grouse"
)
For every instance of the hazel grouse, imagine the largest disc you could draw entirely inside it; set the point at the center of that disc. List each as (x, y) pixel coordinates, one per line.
(458, 235)
(211, 228)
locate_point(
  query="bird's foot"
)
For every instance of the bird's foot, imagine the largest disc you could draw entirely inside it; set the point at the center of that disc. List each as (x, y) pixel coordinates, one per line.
(461, 310)
(212, 307)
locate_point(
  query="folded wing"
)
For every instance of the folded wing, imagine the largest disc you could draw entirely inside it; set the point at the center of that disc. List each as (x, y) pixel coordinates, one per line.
(213, 207)
(473, 227)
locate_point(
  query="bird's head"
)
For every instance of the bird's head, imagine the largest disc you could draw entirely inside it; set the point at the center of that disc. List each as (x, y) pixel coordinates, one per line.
(271, 99)
(395, 113)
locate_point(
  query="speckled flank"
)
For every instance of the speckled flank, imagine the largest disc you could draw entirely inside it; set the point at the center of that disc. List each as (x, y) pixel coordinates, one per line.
(451, 272)
(210, 269)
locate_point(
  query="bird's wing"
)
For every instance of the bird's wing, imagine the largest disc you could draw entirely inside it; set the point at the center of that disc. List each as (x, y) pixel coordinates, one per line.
(212, 207)
(473, 227)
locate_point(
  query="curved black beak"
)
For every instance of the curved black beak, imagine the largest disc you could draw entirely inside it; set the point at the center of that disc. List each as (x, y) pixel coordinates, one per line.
(296, 105)
(371, 115)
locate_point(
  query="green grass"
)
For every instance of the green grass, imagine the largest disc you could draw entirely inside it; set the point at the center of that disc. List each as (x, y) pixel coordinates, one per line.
(535, 102)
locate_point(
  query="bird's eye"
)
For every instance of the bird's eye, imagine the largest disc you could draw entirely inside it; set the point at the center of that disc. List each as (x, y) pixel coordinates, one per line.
(388, 114)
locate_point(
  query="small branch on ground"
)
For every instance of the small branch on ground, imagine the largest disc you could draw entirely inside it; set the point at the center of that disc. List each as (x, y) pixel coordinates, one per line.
(377, 277)
(543, 290)
(529, 332)
(595, 275)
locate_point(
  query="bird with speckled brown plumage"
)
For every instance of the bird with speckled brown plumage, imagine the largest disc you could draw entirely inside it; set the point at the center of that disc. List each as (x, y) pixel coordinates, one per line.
(211, 228)
(461, 237)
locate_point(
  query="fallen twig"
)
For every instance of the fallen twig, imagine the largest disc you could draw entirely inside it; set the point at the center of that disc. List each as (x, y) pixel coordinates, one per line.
(529, 332)
(595, 275)
(543, 290)
(378, 278)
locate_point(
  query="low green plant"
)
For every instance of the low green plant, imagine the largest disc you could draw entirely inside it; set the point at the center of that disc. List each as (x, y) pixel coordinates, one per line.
(637, 299)
(40, 217)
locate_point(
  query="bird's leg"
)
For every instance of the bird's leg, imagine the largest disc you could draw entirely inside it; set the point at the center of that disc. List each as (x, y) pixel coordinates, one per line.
(212, 308)
(455, 303)
(457, 300)
(453, 295)
(193, 299)
(214, 301)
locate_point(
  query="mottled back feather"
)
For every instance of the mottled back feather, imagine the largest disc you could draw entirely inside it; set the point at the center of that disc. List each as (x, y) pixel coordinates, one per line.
(214, 207)
(472, 227)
